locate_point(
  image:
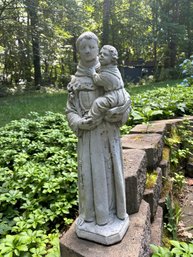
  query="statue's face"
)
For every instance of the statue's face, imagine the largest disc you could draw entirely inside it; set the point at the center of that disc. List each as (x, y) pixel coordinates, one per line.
(88, 50)
(105, 57)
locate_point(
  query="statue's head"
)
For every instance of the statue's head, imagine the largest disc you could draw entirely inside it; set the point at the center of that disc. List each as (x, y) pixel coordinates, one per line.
(108, 55)
(87, 46)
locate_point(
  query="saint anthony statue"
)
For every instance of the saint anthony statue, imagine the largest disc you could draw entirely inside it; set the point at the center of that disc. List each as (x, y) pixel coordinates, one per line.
(102, 204)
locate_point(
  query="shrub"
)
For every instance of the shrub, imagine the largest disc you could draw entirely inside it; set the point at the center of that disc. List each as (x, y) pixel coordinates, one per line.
(161, 103)
(187, 71)
(177, 249)
(38, 177)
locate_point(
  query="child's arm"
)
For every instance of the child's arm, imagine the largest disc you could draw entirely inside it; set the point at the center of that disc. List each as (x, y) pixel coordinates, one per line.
(98, 78)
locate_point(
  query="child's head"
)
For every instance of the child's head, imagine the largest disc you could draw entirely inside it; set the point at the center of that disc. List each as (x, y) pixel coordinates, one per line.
(108, 55)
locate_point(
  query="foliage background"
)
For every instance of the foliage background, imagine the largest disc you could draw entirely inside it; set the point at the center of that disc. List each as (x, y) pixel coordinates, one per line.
(37, 38)
(38, 192)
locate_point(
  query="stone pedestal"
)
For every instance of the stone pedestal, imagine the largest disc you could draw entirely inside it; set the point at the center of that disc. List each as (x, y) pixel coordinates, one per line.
(134, 244)
(108, 234)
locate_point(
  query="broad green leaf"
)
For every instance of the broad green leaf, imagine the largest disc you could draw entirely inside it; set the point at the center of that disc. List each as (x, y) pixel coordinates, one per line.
(23, 248)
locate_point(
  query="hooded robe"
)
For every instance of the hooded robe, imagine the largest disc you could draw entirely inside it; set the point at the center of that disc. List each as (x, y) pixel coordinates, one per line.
(100, 166)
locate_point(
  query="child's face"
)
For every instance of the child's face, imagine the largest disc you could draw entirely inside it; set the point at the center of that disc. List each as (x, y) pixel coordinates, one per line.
(88, 50)
(105, 57)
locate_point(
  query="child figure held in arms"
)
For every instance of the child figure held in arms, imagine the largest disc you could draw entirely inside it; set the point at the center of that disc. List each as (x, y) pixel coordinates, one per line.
(110, 79)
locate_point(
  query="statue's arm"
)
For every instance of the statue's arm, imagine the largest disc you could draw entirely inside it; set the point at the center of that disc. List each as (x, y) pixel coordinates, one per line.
(74, 119)
(99, 80)
(120, 114)
(77, 123)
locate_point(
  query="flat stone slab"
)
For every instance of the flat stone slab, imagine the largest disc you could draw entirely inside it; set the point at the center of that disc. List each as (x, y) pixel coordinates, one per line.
(159, 128)
(172, 122)
(152, 196)
(157, 228)
(151, 143)
(135, 167)
(134, 244)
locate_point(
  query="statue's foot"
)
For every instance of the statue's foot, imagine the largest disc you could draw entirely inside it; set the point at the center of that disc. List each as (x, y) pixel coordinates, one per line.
(122, 217)
(79, 221)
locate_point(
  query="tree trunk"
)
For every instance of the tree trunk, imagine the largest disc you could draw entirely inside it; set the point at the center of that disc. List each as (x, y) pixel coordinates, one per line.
(172, 46)
(106, 21)
(155, 32)
(72, 68)
(189, 30)
(32, 7)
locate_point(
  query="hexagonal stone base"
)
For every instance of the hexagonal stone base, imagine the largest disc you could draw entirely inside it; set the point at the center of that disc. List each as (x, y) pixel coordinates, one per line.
(135, 243)
(151, 143)
(108, 234)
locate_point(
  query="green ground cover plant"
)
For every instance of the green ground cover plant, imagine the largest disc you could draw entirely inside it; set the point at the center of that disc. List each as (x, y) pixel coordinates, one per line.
(38, 166)
(180, 142)
(38, 192)
(177, 249)
(156, 103)
(161, 103)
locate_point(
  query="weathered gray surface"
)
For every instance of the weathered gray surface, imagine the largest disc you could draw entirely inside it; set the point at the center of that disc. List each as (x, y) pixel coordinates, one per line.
(157, 227)
(159, 128)
(106, 234)
(152, 196)
(134, 244)
(151, 143)
(101, 183)
(135, 167)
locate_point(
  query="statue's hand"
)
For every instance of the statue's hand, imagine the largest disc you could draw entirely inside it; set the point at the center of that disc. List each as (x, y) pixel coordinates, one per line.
(90, 72)
(73, 85)
(119, 114)
(87, 123)
(113, 117)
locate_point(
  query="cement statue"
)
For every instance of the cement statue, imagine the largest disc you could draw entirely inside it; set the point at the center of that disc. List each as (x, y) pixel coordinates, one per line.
(97, 106)
(111, 81)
